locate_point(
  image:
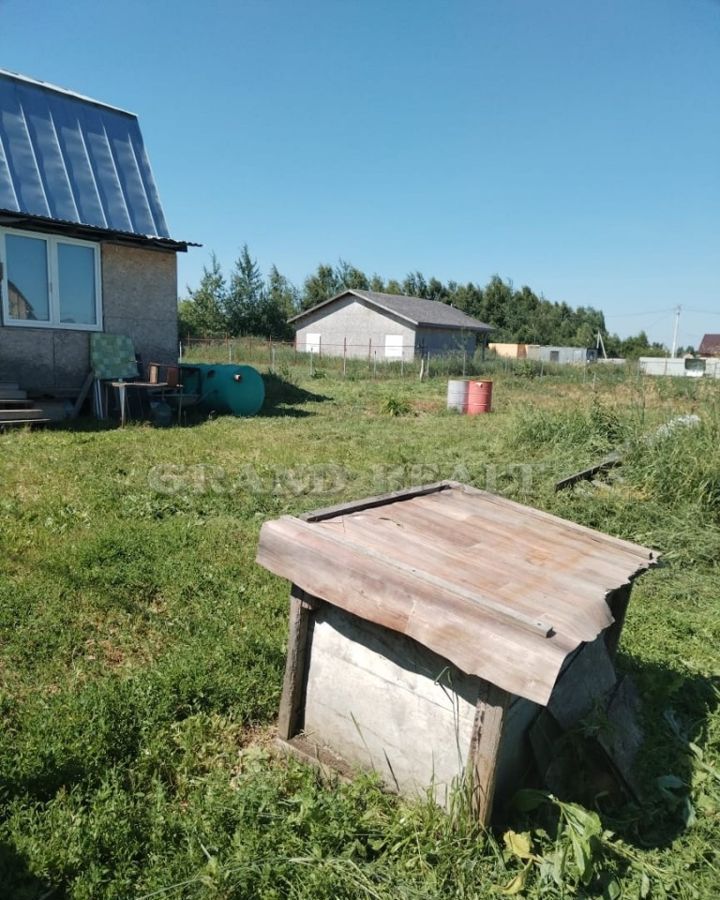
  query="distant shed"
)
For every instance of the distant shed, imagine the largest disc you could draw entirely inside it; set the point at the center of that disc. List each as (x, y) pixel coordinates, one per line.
(370, 325)
(561, 355)
(680, 366)
(428, 629)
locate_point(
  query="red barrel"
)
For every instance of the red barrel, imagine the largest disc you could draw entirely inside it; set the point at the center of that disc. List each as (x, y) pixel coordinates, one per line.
(479, 397)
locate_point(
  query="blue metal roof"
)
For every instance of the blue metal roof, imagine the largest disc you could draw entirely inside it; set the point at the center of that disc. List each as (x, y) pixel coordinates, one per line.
(75, 160)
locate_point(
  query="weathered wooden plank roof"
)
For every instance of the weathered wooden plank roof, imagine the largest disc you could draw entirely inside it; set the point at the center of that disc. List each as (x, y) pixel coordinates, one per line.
(504, 591)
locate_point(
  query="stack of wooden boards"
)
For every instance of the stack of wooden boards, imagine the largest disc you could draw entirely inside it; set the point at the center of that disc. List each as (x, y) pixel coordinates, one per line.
(16, 408)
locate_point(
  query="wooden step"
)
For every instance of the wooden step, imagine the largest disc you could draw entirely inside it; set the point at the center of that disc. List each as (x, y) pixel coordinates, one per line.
(11, 423)
(11, 415)
(14, 403)
(12, 394)
(9, 386)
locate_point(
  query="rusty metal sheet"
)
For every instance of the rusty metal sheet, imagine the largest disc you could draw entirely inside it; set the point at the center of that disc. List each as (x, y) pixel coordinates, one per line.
(504, 591)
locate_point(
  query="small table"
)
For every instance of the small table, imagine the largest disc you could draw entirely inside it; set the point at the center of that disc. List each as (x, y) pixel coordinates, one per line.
(122, 386)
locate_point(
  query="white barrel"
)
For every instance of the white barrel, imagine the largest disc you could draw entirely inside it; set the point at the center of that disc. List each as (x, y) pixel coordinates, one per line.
(457, 394)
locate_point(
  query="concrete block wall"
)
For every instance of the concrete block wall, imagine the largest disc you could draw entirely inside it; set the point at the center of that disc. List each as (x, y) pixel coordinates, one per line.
(360, 324)
(440, 341)
(139, 299)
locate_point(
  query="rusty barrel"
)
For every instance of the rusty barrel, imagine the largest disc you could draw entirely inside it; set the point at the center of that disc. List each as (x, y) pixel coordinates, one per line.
(457, 394)
(479, 397)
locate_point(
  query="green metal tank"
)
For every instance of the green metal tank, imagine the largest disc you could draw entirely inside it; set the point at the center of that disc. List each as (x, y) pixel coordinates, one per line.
(230, 389)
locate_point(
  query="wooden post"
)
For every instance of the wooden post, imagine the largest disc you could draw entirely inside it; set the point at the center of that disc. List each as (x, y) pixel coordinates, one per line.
(291, 701)
(492, 706)
(344, 356)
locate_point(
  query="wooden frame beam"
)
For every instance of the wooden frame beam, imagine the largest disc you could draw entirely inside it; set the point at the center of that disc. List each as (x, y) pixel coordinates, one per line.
(302, 606)
(490, 716)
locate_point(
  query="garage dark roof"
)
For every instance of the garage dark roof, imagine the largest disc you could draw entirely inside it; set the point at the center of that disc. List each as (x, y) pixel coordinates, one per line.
(710, 345)
(415, 310)
(76, 161)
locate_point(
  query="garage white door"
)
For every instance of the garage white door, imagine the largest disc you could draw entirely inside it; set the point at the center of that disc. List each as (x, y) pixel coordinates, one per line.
(312, 343)
(393, 346)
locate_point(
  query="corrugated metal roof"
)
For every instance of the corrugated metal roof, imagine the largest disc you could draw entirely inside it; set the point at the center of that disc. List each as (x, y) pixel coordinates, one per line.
(73, 159)
(416, 310)
(503, 591)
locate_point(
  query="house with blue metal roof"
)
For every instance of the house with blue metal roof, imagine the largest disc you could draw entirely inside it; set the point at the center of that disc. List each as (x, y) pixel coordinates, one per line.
(84, 246)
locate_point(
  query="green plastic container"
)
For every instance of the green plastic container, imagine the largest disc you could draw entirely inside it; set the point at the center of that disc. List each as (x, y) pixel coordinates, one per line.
(233, 390)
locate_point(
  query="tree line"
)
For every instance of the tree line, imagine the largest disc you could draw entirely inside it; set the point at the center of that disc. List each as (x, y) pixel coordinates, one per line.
(248, 303)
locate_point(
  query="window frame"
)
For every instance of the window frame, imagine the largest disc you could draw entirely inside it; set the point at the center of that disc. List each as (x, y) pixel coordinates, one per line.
(51, 257)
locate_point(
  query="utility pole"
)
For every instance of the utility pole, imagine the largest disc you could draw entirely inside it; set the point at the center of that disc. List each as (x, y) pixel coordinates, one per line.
(675, 331)
(601, 344)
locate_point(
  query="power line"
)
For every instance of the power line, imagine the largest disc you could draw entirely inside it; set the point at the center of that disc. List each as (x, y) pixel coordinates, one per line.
(650, 312)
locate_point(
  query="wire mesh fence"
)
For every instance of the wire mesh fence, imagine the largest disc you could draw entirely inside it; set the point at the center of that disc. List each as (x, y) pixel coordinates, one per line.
(359, 361)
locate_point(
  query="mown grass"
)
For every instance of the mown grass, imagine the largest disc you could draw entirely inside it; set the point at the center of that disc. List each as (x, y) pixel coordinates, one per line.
(142, 649)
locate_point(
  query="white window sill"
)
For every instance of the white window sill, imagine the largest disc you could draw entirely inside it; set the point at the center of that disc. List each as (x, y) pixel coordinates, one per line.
(51, 326)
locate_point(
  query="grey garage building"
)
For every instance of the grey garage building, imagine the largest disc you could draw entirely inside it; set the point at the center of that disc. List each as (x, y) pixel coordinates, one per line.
(84, 246)
(391, 326)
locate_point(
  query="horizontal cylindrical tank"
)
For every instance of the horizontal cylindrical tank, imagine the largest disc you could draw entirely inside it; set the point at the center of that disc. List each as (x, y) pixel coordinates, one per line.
(457, 394)
(235, 390)
(479, 397)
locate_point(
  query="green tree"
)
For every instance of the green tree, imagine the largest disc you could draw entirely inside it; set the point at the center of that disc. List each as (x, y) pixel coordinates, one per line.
(497, 301)
(203, 314)
(415, 285)
(349, 278)
(282, 300)
(320, 286)
(245, 296)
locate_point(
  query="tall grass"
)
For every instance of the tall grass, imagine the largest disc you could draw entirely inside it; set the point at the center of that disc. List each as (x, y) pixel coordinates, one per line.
(141, 649)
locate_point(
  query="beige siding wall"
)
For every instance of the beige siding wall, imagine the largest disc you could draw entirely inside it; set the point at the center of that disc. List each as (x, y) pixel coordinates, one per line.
(139, 290)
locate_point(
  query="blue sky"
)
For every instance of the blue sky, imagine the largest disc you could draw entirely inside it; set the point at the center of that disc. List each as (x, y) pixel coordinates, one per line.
(571, 146)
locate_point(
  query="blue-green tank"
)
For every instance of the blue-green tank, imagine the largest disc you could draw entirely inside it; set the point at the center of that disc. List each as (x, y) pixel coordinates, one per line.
(236, 390)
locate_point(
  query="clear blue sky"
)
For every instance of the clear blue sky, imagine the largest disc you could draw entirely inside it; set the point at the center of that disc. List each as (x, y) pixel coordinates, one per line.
(567, 145)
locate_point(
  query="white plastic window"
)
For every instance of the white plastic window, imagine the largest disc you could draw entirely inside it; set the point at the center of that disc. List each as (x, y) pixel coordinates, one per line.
(50, 282)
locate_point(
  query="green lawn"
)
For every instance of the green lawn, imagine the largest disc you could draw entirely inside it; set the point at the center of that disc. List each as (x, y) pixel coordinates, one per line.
(141, 649)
